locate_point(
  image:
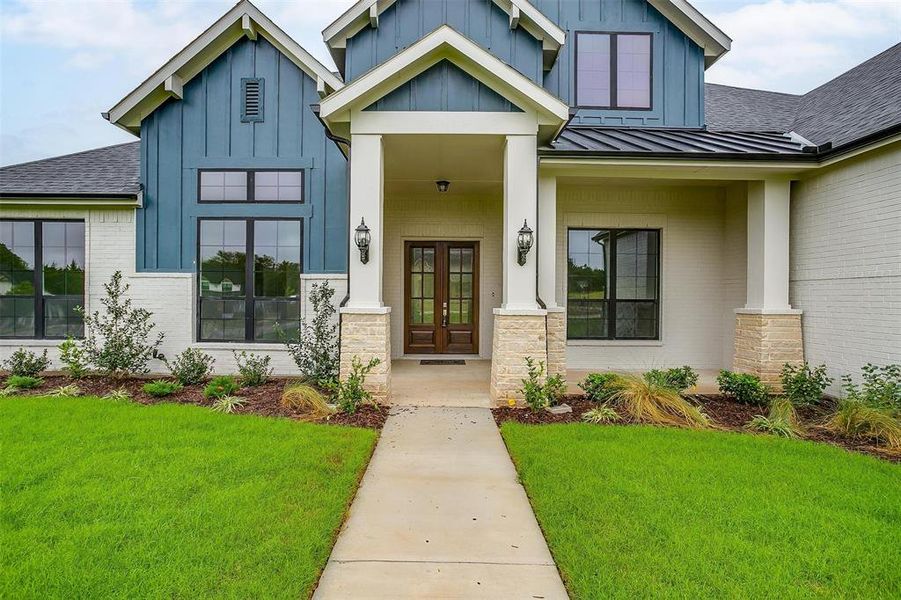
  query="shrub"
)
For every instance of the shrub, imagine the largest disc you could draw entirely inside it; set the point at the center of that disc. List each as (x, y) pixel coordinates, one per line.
(650, 402)
(350, 394)
(23, 382)
(221, 386)
(540, 394)
(161, 388)
(598, 387)
(9, 390)
(252, 368)
(803, 385)
(228, 404)
(782, 420)
(677, 378)
(118, 395)
(881, 387)
(855, 419)
(118, 341)
(600, 414)
(191, 366)
(66, 391)
(304, 397)
(316, 350)
(74, 359)
(743, 387)
(26, 363)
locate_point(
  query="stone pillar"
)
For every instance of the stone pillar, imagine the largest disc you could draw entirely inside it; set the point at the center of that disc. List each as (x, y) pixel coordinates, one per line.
(556, 341)
(765, 342)
(366, 333)
(517, 334)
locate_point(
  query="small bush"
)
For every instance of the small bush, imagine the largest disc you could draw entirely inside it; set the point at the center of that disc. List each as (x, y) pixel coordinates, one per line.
(782, 420)
(228, 404)
(191, 366)
(9, 390)
(650, 402)
(74, 359)
(743, 387)
(315, 348)
(304, 397)
(161, 388)
(677, 378)
(26, 363)
(857, 420)
(598, 387)
(350, 394)
(252, 368)
(538, 394)
(803, 385)
(118, 395)
(881, 387)
(601, 414)
(221, 386)
(66, 391)
(23, 382)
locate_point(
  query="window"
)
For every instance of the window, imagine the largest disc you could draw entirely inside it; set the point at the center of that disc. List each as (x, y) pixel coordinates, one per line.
(251, 100)
(250, 186)
(613, 70)
(249, 299)
(40, 301)
(613, 284)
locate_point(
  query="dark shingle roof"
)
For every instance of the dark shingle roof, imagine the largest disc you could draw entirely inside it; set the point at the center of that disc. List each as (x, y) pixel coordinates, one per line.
(102, 172)
(728, 108)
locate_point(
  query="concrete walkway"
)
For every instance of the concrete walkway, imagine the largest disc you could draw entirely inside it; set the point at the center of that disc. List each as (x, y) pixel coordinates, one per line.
(440, 514)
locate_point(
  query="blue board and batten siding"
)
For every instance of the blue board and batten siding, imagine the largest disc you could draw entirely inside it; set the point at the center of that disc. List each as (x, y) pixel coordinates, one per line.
(205, 131)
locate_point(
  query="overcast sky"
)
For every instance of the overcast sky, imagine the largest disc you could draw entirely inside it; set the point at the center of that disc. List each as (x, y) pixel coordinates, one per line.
(63, 62)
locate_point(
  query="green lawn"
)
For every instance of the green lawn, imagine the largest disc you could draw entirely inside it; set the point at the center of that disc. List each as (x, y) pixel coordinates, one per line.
(107, 499)
(636, 512)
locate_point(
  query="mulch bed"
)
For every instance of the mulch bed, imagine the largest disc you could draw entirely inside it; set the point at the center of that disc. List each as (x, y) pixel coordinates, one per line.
(260, 400)
(723, 411)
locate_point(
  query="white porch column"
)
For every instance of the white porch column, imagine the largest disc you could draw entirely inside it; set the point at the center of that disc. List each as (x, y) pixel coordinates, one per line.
(520, 204)
(547, 240)
(366, 202)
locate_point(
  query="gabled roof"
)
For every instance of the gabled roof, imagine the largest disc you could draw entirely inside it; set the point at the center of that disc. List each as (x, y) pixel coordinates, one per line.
(244, 19)
(696, 26)
(111, 172)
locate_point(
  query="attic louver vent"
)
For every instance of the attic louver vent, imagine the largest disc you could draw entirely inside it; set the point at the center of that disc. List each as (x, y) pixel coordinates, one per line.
(251, 100)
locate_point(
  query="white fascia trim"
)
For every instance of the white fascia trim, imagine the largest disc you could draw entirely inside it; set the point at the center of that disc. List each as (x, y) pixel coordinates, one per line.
(648, 168)
(73, 202)
(534, 21)
(443, 43)
(437, 123)
(354, 19)
(208, 46)
(696, 26)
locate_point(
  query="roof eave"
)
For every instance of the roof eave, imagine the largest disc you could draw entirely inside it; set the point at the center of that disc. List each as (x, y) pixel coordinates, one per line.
(697, 27)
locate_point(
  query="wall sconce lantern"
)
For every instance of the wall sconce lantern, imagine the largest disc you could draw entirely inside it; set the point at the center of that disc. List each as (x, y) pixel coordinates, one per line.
(442, 186)
(523, 243)
(362, 239)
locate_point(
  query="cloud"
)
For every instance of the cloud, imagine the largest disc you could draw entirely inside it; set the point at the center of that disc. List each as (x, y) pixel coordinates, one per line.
(796, 45)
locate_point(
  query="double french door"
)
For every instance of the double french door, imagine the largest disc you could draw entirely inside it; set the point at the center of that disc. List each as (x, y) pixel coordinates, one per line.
(441, 298)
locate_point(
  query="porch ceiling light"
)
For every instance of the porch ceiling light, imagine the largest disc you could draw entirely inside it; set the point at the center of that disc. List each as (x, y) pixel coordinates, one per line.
(523, 242)
(362, 239)
(442, 185)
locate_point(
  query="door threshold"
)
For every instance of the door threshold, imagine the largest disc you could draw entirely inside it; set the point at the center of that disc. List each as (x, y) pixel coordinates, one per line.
(440, 357)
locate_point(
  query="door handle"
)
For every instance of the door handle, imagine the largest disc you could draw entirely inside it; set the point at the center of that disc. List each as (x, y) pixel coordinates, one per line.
(444, 314)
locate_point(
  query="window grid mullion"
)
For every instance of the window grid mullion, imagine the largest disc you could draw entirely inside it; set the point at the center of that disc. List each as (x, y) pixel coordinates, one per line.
(614, 101)
(249, 288)
(611, 306)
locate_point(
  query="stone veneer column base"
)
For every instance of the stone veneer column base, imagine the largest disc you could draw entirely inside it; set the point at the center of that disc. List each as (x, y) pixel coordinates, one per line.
(366, 333)
(517, 334)
(764, 342)
(556, 341)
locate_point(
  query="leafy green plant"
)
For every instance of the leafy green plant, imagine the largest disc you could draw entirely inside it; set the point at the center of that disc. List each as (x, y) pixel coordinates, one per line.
(66, 391)
(881, 387)
(9, 390)
(118, 395)
(315, 348)
(855, 419)
(782, 420)
(598, 387)
(651, 402)
(804, 385)
(74, 359)
(677, 378)
(540, 391)
(26, 363)
(221, 386)
(743, 387)
(118, 342)
(304, 397)
(253, 369)
(350, 394)
(161, 388)
(600, 415)
(228, 404)
(191, 366)
(23, 382)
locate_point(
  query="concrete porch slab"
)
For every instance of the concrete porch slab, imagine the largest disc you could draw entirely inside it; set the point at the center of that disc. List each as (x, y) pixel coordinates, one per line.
(413, 384)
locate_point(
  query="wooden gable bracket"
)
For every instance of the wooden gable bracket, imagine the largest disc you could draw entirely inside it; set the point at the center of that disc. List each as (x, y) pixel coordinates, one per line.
(514, 16)
(374, 16)
(248, 28)
(174, 87)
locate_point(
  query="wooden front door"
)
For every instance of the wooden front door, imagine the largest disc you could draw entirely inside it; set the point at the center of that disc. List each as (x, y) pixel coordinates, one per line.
(441, 298)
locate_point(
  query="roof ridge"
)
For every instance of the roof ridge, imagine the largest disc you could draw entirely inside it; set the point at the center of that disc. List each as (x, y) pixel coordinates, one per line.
(852, 69)
(79, 152)
(737, 87)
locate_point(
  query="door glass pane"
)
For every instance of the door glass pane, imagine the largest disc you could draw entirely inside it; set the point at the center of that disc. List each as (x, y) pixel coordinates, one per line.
(422, 286)
(416, 311)
(428, 260)
(428, 286)
(428, 311)
(455, 260)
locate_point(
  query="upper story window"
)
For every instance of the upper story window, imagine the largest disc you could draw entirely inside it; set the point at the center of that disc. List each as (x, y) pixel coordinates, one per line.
(613, 70)
(250, 186)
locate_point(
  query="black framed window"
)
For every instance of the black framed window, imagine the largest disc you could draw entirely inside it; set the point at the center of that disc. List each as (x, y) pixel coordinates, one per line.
(249, 278)
(42, 266)
(269, 185)
(614, 70)
(613, 284)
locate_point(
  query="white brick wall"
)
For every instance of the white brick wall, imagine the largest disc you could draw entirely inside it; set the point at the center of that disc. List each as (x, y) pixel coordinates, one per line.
(846, 261)
(703, 269)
